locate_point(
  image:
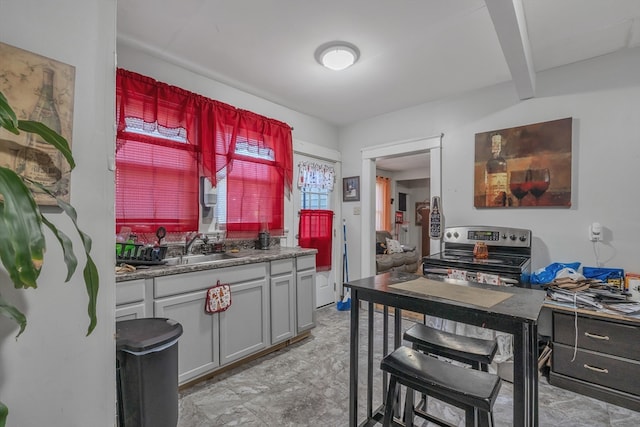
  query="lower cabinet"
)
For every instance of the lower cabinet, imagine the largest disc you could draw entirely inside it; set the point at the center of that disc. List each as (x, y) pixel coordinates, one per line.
(198, 346)
(271, 302)
(305, 293)
(130, 300)
(283, 300)
(244, 326)
(130, 312)
(598, 356)
(209, 341)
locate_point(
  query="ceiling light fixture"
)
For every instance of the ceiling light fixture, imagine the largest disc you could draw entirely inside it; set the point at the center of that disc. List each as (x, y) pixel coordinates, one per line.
(337, 55)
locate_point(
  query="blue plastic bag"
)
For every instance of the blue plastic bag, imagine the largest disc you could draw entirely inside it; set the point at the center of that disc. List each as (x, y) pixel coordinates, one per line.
(547, 274)
(612, 276)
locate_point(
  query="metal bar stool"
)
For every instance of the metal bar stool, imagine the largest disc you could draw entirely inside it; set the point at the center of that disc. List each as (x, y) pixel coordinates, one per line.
(473, 391)
(476, 352)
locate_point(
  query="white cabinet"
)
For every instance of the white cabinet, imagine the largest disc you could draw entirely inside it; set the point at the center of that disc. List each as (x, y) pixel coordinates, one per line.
(212, 340)
(271, 302)
(198, 346)
(283, 300)
(130, 301)
(244, 326)
(305, 292)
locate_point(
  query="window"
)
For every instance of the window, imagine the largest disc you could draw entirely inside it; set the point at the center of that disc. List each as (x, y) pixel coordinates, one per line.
(314, 200)
(251, 195)
(166, 136)
(250, 152)
(315, 182)
(383, 203)
(156, 181)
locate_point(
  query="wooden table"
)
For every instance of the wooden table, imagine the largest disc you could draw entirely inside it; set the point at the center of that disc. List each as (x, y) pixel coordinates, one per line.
(517, 315)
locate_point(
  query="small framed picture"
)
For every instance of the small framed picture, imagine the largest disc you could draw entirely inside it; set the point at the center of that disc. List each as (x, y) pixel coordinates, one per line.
(351, 189)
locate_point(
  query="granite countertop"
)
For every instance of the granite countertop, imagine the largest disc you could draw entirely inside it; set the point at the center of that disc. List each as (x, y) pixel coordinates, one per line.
(244, 256)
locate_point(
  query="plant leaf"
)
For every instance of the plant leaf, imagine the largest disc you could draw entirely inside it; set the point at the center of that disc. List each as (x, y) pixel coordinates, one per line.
(50, 136)
(71, 211)
(91, 280)
(4, 413)
(67, 248)
(8, 310)
(8, 118)
(23, 243)
(90, 272)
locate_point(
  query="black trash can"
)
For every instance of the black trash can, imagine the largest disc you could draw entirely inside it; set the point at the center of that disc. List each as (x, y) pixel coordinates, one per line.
(147, 372)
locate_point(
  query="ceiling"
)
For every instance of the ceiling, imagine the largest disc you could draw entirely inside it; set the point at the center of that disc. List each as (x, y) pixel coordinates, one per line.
(412, 51)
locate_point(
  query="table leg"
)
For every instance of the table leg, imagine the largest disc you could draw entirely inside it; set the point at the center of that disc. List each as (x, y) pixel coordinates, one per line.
(370, 328)
(353, 359)
(385, 348)
(525, 376)
(533, 374)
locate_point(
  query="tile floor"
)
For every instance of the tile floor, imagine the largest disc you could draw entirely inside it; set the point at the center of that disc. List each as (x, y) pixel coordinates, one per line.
(307, 384)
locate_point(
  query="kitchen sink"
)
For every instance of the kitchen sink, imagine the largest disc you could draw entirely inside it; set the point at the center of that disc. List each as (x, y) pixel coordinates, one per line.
(198, 259)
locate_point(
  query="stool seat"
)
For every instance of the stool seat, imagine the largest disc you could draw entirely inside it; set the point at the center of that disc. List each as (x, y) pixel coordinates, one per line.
(442, 380)
(457, 347)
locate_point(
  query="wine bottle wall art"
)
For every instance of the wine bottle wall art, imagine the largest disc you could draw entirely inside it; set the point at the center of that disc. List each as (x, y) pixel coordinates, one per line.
(524, 167)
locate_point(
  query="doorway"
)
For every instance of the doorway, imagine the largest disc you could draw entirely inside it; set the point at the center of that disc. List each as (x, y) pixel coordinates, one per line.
(326, 288)
(370, 156)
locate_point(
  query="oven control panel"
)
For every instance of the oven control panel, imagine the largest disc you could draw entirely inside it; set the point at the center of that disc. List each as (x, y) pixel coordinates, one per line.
(493, 236)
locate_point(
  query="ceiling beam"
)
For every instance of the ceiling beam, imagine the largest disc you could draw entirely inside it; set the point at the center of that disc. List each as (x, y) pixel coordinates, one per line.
(511, 28)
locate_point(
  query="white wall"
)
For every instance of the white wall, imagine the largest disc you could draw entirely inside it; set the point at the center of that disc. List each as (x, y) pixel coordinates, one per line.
(53, 375)
(603, 97)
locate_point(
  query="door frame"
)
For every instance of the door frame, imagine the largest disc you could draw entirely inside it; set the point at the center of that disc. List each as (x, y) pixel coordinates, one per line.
(329, 155)
(431, 145)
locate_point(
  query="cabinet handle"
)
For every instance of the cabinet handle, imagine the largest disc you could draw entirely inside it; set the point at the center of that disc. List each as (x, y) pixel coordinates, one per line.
(592, 368)
(598, 337)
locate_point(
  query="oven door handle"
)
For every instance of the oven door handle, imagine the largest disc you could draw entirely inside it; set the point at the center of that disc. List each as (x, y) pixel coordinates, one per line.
(438, 271)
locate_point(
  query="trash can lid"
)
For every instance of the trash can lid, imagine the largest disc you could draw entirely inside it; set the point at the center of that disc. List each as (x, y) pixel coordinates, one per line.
(145, 334)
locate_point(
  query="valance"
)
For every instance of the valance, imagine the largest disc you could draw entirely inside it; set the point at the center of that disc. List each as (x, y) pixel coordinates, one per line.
(315, 176)
(212, 126)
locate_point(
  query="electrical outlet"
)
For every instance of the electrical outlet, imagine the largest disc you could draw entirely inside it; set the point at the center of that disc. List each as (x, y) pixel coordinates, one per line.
(595, 232)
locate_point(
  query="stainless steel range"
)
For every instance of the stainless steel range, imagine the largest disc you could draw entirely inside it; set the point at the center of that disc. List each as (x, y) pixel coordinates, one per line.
(509, 254)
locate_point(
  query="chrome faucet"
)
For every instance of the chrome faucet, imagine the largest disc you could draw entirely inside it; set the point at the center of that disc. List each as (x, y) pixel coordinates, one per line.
(191, 238)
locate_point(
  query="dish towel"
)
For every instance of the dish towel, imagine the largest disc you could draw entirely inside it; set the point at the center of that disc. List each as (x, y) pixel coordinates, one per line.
(315, 231)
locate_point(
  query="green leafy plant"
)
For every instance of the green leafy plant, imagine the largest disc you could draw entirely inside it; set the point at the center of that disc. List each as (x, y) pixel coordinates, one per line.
(21, 228)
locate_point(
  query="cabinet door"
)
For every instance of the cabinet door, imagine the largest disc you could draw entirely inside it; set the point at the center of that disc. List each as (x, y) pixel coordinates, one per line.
(198, 345)
(283, 306)
(130, 300)
(130, 312)
(244, 325)
(306, 300)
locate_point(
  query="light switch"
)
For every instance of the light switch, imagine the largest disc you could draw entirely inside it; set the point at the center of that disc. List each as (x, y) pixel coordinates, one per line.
(356, 210)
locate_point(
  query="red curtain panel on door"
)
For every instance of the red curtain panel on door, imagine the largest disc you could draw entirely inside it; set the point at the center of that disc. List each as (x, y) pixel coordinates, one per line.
(315, 231)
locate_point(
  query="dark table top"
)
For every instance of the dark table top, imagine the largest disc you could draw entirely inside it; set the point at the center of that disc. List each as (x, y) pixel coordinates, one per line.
(523, 306)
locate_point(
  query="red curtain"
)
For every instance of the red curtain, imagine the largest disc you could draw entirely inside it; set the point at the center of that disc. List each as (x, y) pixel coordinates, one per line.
(212, 129)
(156, 176)
(316, 231)
(156, 185)
(255, 200)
